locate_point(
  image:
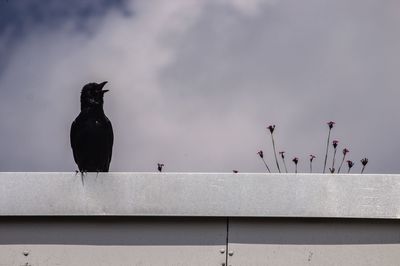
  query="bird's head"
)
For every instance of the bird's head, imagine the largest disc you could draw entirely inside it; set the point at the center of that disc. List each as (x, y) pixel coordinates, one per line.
(92, 95)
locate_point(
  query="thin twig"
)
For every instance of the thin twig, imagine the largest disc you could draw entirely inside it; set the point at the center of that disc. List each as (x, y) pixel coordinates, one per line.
(345, 151)
(327, 148)
(282, 153)
(276, 158)
(261, 154)
(271, 130)
(334, 143)
(296, 161)
(269, 171)
(312, 157)
(330, 124)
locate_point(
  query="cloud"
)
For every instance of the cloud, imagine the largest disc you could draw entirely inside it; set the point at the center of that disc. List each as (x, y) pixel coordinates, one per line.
(194, 83)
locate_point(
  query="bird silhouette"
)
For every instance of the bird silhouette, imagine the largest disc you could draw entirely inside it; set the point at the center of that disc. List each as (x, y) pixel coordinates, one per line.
(91, 133)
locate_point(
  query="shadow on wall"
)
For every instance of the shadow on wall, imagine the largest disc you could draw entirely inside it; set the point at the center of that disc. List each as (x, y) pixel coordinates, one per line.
(195, 231)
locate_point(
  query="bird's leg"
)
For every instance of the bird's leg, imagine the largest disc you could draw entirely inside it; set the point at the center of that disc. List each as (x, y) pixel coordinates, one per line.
(83, 172)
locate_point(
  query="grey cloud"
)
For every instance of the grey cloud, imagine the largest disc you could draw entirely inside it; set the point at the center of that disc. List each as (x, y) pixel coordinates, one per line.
(19, 18)
(297, 65)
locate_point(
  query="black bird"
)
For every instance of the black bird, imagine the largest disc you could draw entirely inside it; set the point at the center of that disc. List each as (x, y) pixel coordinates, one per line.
(91, 133)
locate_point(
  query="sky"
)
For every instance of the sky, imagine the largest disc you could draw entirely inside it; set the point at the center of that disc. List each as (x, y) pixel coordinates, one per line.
(195, 83)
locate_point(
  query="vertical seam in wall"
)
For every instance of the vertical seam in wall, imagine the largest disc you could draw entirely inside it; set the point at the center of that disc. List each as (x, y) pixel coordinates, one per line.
(227, 241)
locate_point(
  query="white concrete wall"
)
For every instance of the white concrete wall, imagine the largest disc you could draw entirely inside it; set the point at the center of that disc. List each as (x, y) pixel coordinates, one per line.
(81, 241)
(199, 219)
(319, 242)
(77, 241)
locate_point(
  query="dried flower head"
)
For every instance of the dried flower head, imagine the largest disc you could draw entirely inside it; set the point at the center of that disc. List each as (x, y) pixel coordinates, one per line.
(261, 154)
(282, 153)
(295, 160)
(235, 171)
(160, 166)
(271, 128)
(350, 164)
(345, 151)
(364, 161)
(332, 170)
(312, 157)
(335, 143)
(331, 124)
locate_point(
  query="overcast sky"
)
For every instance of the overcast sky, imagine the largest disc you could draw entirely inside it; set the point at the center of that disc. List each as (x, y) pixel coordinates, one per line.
(194, 84)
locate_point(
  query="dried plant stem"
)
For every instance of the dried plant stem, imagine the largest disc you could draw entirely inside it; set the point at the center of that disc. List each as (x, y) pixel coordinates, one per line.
(341, 163)
(265, 163)
(327, 148)
(284, 164)
(312, 157)
(276, 158)
(348, 171)
(362, 170)
(333, 160)
(296, 161)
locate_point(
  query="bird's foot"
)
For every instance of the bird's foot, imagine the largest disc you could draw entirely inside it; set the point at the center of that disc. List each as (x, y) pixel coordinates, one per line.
(83, 173)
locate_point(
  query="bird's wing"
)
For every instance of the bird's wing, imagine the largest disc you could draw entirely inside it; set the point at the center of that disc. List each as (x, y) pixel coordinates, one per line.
(109, 141)
(74, 142)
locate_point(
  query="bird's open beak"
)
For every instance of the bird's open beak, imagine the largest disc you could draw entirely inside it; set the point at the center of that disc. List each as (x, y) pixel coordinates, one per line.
(101, 85)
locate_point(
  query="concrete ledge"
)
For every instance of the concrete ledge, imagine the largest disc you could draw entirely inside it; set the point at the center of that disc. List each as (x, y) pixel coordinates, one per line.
(200, 194)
